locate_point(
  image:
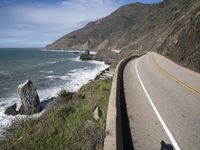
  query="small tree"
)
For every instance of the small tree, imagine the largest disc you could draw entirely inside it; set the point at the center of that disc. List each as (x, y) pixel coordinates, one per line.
(62, 93)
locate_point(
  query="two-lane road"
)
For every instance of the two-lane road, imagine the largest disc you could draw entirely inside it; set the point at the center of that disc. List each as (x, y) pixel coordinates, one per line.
(163, 104)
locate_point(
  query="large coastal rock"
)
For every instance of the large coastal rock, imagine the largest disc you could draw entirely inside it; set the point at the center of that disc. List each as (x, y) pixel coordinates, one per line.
(29, 98)
(87, 56)
(11, 110)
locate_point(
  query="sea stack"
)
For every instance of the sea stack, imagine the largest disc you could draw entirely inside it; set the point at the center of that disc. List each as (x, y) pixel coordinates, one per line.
(29, 98)
(87, 56)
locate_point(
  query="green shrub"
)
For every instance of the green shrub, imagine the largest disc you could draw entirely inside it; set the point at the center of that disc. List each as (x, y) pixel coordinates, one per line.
(63, 93)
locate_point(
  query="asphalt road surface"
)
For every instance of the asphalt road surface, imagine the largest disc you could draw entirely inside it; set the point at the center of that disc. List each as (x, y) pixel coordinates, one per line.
(163, 104)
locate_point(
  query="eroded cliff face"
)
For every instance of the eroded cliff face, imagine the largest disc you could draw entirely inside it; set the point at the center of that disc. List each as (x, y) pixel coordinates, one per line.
(183, 43)
(170, 27)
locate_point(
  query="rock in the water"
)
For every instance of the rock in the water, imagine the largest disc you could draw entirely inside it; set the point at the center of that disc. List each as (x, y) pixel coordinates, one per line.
(29, 98)
(87, 56)
(11, 110)
(97, 113)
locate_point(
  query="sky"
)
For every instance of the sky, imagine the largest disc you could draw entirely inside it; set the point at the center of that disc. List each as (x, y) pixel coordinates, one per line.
(36, 23)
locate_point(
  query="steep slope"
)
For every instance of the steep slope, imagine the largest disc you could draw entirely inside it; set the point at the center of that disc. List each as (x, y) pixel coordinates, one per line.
(183, 43)
(171, 27)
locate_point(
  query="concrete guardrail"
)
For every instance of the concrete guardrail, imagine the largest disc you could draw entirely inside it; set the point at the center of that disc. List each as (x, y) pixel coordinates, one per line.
(114, 134)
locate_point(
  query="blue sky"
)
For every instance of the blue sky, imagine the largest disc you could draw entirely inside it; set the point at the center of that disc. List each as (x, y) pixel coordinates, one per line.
(35, 23)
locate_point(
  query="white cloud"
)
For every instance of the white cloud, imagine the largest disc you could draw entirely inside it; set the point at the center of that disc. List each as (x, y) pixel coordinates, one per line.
(52, 21)
(38, 24)
(65, 14)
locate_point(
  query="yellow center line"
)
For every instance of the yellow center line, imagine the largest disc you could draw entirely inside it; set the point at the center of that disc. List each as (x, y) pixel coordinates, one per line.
(175, 78)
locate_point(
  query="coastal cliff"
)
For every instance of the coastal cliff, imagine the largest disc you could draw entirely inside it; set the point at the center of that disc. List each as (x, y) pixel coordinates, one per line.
(183, 43)
(169, 27)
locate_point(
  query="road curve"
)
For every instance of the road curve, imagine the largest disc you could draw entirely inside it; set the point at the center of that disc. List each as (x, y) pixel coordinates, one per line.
(163, 104)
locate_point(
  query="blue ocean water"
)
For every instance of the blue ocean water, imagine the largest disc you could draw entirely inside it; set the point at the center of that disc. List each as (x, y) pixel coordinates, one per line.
(49, 70)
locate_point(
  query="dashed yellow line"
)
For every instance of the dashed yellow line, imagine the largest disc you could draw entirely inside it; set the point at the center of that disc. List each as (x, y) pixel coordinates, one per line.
(175, 78)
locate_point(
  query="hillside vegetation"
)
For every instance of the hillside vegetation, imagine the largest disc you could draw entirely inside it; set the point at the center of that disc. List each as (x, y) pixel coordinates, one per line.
(171, 27)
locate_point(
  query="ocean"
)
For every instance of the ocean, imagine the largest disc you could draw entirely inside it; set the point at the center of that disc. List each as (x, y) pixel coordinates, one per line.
(50, 71)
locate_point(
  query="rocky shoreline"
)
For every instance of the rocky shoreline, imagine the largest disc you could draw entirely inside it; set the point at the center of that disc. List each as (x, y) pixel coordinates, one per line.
(35, 108)
(71, 121)
(29, 96)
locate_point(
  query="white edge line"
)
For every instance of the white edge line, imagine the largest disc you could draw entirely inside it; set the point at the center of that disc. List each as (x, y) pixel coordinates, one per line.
(175, 144)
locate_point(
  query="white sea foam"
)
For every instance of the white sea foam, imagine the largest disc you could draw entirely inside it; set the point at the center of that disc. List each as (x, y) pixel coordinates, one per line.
(4, 73)
(74, 80)
(48, 72)
(57, 77)
(70, 51)
(77, 59)
(45, 50)
(80, 77)
(52, 62)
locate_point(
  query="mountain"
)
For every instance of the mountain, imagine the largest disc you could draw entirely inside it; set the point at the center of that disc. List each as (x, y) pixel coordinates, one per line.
(171, 27)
